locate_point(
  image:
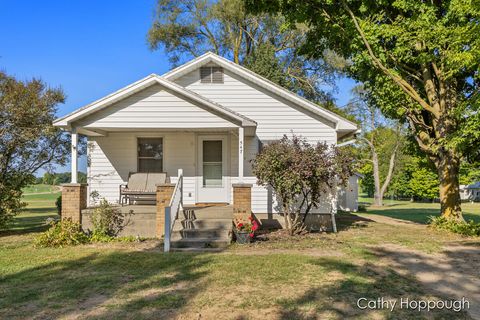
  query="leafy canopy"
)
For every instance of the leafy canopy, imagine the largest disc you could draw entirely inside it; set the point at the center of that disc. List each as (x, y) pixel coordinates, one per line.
(28, 141)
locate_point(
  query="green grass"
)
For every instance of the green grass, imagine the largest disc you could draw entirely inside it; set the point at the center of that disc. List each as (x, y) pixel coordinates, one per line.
(39, 208)
(40, 188)
(315, 276)
(417, 212)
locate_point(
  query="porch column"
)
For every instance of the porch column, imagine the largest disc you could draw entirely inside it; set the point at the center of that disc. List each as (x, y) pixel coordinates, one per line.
(74, 159)
(164, 194)
(241, 139)
(74, 200)
(334, 203)
(242, 200)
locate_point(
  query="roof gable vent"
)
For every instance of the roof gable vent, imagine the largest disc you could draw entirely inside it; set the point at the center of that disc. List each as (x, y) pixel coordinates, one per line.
(211, 75)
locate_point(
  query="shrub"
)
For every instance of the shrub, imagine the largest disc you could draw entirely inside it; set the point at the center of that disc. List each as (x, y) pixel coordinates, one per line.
(61, 233)
(362, 208)
(107, 221)
(470, 228)
(58, 204)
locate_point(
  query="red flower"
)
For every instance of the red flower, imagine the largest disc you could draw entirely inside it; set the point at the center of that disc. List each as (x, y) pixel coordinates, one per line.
(251, 235)
(240, 225)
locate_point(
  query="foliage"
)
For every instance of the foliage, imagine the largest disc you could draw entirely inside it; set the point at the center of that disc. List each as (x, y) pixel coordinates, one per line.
(470, 228)
(300, 174)
(424, 184)
(469, 172)
(362, 208)
(107, 221)
(189, 28)
(61, 233)
(28, 141)
(419, 60)
(249, 226)
(58, 205)
(366, 183)
(63, 177)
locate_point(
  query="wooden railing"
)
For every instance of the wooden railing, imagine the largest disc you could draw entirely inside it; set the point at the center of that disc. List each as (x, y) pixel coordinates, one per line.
(171, 212)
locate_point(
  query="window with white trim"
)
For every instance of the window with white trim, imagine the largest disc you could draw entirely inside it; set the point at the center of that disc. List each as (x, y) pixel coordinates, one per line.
(150, 154)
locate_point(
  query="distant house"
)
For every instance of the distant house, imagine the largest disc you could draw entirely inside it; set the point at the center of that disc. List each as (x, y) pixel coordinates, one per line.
(470, 192)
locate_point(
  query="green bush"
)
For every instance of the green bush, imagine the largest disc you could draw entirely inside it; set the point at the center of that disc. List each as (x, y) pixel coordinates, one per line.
(58, 204)
(107, 222)
(362, 208)
(62, 233)
(470, 228)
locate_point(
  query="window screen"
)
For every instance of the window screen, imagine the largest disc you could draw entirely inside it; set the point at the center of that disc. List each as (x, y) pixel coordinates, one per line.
(150, 155)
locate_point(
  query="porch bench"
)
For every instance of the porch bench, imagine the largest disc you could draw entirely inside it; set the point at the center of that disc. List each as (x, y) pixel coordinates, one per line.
(141, 186)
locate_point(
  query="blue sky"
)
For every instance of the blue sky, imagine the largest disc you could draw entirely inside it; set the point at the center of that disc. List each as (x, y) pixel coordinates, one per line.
(88, 48)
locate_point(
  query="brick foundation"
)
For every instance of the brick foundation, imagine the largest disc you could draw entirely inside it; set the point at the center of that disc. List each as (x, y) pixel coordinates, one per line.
(74, 199)
(164, 194)
(242, 200)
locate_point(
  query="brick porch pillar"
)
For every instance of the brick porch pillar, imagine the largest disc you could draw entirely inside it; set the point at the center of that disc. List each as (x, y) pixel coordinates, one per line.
(74, 199)
(242, 200)
(164, 194)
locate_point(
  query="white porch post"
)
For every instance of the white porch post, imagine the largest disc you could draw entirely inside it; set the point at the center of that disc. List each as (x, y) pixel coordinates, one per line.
(74, 159)
(334, 202)
(241, 139)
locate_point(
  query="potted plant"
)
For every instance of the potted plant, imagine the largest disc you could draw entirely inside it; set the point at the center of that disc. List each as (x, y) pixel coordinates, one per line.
(245, 230)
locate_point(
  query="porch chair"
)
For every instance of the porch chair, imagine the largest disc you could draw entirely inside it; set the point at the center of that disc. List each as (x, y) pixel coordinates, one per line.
(141, 186)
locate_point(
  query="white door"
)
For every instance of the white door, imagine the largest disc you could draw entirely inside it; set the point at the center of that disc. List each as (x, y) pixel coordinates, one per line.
(212, 181)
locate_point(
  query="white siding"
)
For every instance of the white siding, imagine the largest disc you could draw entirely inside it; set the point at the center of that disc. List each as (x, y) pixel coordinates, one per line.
(111, 158)
(274, 116)
(154, 108)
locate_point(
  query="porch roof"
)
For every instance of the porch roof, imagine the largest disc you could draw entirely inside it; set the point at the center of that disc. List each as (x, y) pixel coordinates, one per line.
(235, 118)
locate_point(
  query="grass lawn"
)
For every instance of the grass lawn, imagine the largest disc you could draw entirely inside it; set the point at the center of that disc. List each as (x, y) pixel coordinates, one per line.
(417, 212)
(318, 276)
(40, 188)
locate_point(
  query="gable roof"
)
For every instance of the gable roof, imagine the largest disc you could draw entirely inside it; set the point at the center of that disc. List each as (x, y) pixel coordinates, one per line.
(146, 82)
(341, 124)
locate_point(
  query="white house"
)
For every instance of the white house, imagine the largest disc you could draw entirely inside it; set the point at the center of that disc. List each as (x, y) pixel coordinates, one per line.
(470, 192)
(201, 117)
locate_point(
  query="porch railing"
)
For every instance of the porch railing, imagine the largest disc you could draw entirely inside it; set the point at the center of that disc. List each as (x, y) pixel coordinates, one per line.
(171, 212)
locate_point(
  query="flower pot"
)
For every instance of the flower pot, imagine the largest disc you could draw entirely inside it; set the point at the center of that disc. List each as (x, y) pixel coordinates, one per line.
(242, 237)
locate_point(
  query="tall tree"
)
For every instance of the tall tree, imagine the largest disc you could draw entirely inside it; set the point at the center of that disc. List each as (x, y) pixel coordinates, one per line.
(421, 61)
(28, 141)
(381, 137)
(189, 28)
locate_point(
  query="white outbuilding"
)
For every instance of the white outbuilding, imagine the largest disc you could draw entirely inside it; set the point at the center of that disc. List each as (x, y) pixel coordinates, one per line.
(348, 195)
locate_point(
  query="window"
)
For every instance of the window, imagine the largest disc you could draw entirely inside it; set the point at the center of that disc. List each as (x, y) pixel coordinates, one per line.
(150, 154)
(211, 75)
(212, 163)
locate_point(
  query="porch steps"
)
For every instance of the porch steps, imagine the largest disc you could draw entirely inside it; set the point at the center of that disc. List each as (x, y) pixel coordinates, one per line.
(202, 229)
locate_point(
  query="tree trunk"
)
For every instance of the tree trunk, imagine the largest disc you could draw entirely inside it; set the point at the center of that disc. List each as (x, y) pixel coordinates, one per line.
(448, 166)
(377, 195)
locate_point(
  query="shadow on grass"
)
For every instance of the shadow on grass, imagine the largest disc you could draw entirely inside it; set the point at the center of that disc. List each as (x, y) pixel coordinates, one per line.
(118, 285)
(31, 220)
(347, 221)
(370, 281)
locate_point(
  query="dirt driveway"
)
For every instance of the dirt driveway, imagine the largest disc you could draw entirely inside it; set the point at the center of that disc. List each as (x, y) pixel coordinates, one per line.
(453, 274)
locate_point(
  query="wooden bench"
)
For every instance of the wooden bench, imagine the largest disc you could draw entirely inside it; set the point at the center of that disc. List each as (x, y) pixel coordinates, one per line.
(141, 186)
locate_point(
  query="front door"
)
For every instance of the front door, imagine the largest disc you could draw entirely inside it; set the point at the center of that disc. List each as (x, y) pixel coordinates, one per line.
(212, 181)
